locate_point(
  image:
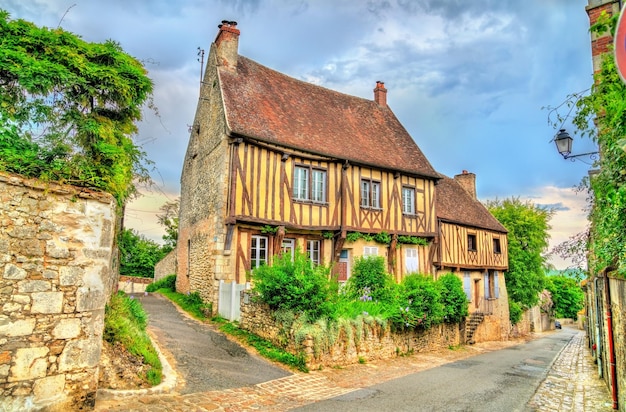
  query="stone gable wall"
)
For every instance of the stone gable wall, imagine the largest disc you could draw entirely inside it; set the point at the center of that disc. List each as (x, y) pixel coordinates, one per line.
(56, 247)
(360, 341)
(200, 259)
(165, 267)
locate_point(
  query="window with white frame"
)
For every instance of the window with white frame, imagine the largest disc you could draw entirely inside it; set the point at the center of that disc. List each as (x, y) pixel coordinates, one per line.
(370, 251)
(301, 183)
(288, 246)
(408, 200)
(411, 260)
(258, 251)
(318, 192)
(370, 194)
(309, 184)
(313, 250)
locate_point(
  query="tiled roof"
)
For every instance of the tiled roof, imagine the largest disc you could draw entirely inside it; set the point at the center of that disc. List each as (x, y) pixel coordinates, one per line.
(455, 205)
(264, 104)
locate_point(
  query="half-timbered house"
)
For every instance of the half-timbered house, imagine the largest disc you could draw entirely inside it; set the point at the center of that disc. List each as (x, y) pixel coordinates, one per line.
(472, 244)
(275, 163)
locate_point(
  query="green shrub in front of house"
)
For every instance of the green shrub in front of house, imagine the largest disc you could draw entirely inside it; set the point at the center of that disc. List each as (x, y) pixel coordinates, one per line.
(454, 299)
(294, 285)
(307, 302)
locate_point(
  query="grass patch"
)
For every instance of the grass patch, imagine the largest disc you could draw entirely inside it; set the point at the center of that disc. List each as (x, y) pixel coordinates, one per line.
(265, 347)
(125, 322)
(191, 303)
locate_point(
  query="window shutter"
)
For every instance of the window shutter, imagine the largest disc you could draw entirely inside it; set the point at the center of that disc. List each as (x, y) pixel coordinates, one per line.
(497, 288)
(486, 277)
(467, 286)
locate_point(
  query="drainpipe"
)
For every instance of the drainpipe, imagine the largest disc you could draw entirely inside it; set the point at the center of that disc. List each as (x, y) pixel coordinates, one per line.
(597, 327)
(609, 326)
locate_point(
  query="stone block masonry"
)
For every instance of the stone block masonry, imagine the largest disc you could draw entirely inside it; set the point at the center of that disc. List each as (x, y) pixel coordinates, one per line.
(356, 341)
(56, 255)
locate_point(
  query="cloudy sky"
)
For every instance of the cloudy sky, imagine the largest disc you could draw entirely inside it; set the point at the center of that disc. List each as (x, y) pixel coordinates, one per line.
(467, 79)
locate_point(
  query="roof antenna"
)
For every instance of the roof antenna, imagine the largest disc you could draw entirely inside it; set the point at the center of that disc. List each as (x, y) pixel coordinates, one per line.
(66, 11)
(201, 60)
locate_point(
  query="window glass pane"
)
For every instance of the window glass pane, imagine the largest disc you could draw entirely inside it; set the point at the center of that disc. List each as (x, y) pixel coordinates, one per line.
(370, 251)
(301, 183)
(288, 247)
(365, 193)
(258, 251)
(411, 259)
(319, 186)
(376, 195)
(313, 249)
(408, 200)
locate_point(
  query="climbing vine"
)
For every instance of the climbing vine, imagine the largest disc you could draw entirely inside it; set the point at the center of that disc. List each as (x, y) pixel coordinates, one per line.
(601, 115)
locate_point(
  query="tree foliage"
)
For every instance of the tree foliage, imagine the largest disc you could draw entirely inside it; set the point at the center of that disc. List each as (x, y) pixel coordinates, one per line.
(528, 237)
(138, 255)
(568, 297)
(68, 108)
(169, 220)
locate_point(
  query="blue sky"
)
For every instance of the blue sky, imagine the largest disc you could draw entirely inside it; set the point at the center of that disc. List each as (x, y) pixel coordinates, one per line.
(467, 79)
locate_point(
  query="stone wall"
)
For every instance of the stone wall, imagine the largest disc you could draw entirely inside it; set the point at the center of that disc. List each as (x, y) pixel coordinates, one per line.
(166, 267)
(55, 278)
(356, 341)
(201, 257)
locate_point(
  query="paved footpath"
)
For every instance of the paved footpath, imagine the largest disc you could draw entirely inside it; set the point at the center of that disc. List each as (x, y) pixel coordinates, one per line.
(571, 385)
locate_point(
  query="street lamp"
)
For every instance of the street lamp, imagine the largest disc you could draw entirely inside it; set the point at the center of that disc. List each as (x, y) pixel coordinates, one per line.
(564, 145)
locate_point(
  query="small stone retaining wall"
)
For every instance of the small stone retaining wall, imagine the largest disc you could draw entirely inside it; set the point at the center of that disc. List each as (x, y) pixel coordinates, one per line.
(56, 247)
(356, 341)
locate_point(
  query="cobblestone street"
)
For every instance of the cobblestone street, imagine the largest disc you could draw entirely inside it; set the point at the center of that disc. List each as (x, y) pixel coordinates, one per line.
(571, 385)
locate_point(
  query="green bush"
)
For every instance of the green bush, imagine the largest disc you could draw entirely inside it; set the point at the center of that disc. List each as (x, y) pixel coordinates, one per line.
(515, 312)
(369, 279)
(453, 298)
(295, 285)
(419, 303)
(168, 282)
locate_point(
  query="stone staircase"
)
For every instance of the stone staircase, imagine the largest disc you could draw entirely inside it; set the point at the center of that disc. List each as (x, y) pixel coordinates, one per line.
(475, 319)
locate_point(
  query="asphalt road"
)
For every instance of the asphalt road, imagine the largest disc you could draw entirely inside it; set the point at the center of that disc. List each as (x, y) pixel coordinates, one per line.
(207, 360)
(503, 380)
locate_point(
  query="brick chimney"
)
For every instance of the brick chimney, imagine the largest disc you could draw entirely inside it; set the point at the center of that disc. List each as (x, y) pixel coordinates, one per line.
(600, 43)
(467, 181)
(227, 44)
(380, 93)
